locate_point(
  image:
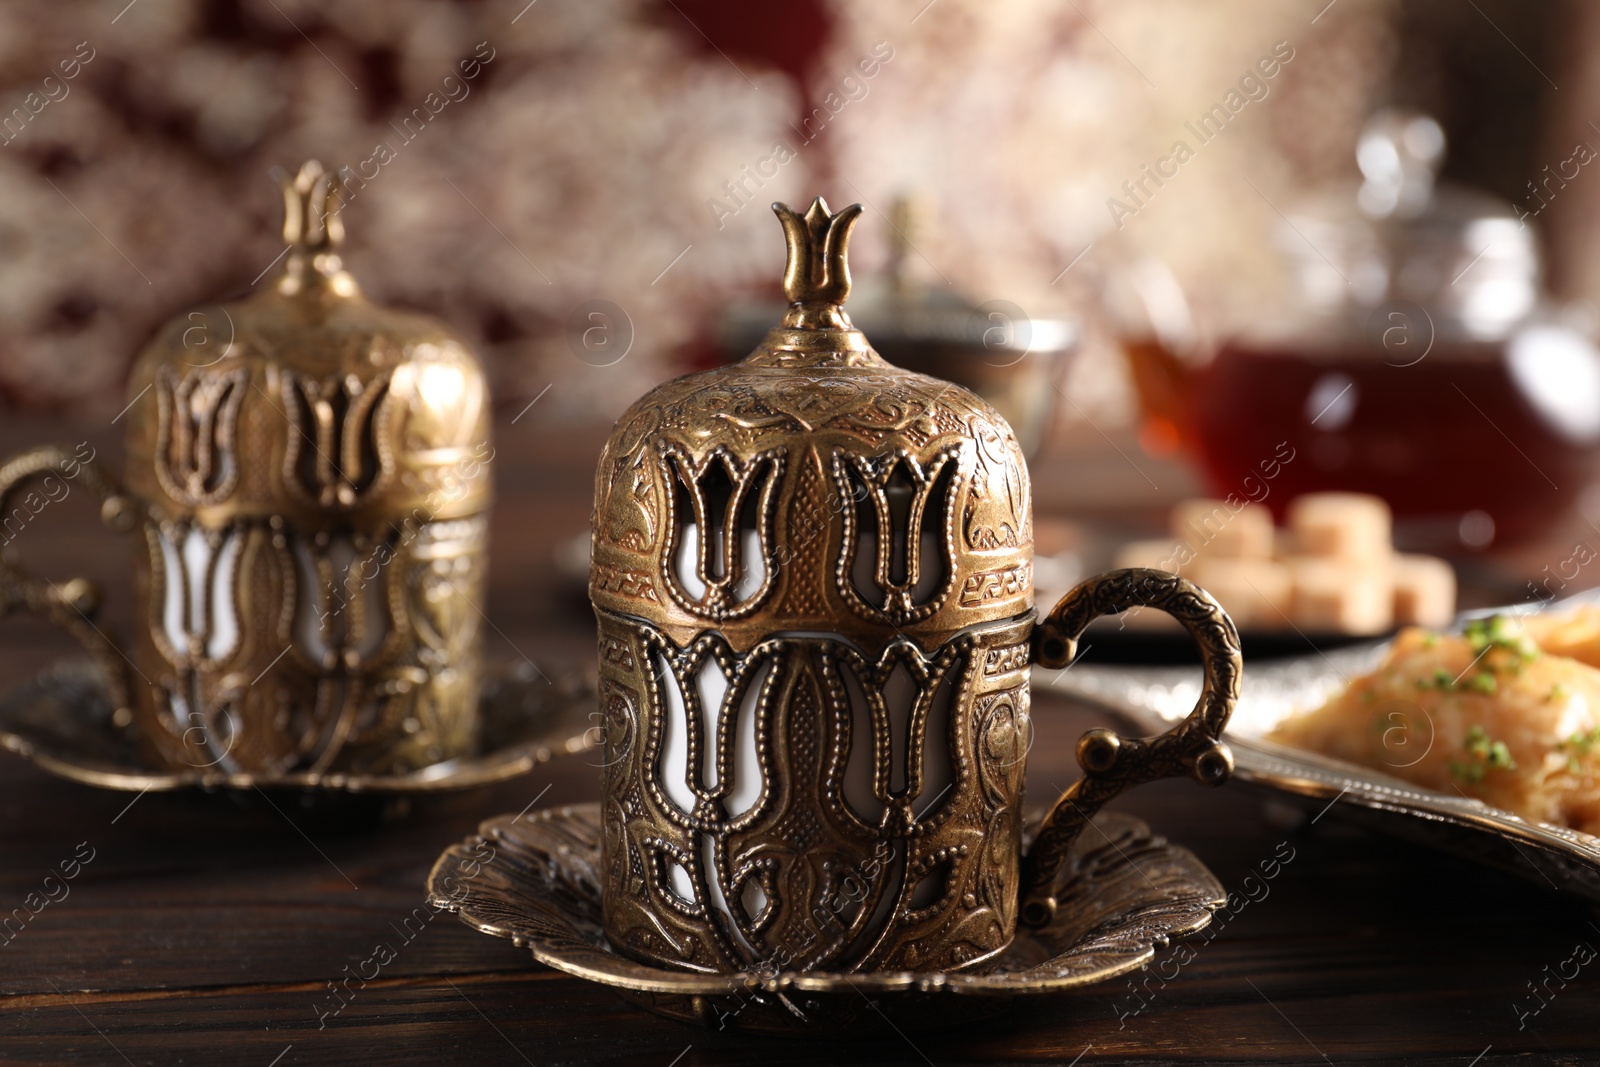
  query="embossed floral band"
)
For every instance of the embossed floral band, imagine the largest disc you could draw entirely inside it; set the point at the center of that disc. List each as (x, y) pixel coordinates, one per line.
(812, 572)
(311, 488)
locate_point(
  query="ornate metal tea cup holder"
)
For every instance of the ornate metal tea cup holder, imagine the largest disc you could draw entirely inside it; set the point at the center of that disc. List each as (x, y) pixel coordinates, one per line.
(62, 721)
(536, 878)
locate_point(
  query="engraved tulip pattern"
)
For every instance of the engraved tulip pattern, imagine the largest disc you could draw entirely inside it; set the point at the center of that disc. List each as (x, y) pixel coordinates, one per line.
(275, 647)
(812, 793)
(719, 545)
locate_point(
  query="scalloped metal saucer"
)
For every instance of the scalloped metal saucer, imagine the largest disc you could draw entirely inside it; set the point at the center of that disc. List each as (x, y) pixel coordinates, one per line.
(61, 721)
(1124, 893)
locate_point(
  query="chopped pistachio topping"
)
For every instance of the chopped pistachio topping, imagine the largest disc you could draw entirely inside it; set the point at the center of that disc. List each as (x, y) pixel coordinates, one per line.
(1582, 741)
(1495, 633)
(1439, 679)
(1579, 744)
(1488, 754)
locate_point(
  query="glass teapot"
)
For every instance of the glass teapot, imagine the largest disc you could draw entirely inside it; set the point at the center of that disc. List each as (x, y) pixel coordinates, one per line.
(1413, 355)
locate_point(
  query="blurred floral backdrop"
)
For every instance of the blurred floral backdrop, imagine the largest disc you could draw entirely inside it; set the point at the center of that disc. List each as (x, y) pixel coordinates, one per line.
(521, 159)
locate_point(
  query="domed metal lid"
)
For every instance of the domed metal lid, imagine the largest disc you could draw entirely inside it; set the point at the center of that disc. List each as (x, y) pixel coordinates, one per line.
(836, 492)
(304, 403)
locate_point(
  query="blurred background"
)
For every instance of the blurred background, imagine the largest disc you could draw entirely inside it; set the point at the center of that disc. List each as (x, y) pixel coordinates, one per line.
(1142, 200)
(595, 146)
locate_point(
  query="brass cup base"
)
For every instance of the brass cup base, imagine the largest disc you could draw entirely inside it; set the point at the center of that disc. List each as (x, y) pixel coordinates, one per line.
(535, 879)
(61, 720)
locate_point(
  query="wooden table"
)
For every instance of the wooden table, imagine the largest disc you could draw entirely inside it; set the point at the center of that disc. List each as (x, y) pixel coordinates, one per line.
(204, 932)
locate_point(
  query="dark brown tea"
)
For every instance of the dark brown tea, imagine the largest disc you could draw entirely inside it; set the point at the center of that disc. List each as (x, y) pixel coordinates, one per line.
(1507, 429)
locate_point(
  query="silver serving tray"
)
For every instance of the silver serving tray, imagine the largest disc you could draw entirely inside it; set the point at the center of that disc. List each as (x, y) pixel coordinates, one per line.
(1150, 699)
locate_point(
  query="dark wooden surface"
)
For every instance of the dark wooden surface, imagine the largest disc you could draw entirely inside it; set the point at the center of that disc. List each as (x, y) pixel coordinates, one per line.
(206, 932)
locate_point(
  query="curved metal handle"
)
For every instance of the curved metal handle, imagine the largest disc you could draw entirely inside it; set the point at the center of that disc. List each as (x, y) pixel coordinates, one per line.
(1112, 763)
(70, 604)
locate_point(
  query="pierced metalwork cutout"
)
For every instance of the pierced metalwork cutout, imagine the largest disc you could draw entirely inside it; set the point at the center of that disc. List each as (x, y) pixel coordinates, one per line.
(900, 707)
(194, 575)
(897, 561)
(718, 555)
(336, 453)
(197, 417)
(342, 613)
